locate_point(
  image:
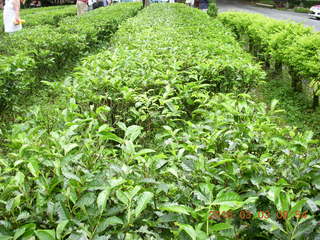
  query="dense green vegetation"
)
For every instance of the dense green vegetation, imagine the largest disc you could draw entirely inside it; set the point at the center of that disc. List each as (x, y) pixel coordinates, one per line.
(146, 139)
(212, 8)
(297, 111)
(280, 43)
(41, 16)
(31, 55)
(301, 10)
(292, 3)
(303, 3)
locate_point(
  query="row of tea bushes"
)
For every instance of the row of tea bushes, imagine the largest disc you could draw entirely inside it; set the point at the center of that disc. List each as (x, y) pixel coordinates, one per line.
(160, 69)
(31, 55)
(280, 42)
(42, 16)
(142, 146)
(50, 17)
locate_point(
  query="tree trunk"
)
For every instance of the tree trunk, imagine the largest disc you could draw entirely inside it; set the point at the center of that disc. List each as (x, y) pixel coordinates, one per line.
(267, 62)
(296, 82)
(315, 103)
(145, 3)
(251, 47)
(278, 66)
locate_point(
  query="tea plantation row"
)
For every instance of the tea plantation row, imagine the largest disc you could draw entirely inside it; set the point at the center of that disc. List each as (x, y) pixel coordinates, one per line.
(149, 137)
(41, 16)
(281, 43)
(30, 55)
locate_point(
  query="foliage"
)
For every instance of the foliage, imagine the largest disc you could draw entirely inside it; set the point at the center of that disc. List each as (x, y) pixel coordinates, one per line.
(46, 15)
(143, 145)
(301, 10)
(212, 9)
(306, 52)
(297, 107)
(283, 43)
(100, 24)
(53, 48)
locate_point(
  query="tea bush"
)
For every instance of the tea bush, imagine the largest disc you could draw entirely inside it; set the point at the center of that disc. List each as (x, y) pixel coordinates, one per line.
(41, 16)
(281, 42)
(142, 145)
(50, 17)
(303, 58)
(53, 48)
(212, 8)
(301, 10)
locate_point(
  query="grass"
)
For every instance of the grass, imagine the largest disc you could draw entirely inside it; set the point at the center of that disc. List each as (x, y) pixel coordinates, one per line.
(297, 107)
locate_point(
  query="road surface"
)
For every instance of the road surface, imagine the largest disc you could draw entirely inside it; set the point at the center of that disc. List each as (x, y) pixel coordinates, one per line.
(236, 5)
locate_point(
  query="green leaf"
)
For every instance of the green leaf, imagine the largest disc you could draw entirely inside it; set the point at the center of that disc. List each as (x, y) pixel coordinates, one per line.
(5, 238)
(114, 220)
(68, 147)
(133, 192)
(282, 201)
(176, 208)
(312, 205)
(102, 199)
(60, 228)
(274, 193)
(19, 232)
(144, 152)
(228, 200)
(111, 221)
(189, 230)
(297, 207)
(19, 178)
(220, 226)
(110, 136)
(34, 168)
(45, 234)
(23, 215)
(69, 175)
(305, 229)
(62, 212)
(122, 197)
(272, 225)
(273, 105)
(116, 182)
(145, 198)
(86, 200)
(133, 132)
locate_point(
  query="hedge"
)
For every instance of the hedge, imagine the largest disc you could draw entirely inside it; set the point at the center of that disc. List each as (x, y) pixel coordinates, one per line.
(41, 16)
(280, 42)
(52, 48)
(142, 145)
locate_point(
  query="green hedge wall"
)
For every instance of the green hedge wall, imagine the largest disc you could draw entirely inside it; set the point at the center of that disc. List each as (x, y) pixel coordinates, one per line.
(47, 49)
(280, 42)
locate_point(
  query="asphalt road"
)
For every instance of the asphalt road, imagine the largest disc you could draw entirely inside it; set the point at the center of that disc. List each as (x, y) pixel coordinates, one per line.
(236, 5)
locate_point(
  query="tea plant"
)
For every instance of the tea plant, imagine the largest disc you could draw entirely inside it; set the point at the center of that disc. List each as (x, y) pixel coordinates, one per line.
(41, 16)
(142, 144)
(43, 50)
(283, 43)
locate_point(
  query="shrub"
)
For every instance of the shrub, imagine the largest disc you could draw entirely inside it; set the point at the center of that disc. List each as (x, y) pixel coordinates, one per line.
(100, 24)
(52, 49)
(301, 10)
(42, 16)
(281, 42)
(212, 10)
(143, 145)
